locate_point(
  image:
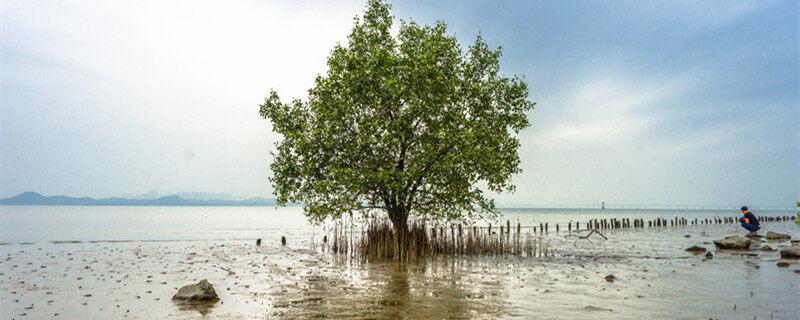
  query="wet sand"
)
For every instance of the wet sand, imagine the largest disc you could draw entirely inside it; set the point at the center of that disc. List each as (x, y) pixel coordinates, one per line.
(655, 279)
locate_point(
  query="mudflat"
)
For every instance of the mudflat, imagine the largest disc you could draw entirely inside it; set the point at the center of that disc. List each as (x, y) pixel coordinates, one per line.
(654, 278)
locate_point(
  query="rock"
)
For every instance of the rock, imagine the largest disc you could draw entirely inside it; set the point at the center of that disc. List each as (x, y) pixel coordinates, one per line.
(709, 255)
(593, 308)
(198, 292)
(783, 264)
(687, 236)
(767, 247)
(745, 254)
(610, 278)
(792, 252)
(777, 236)
(733, 242)
(696, 250)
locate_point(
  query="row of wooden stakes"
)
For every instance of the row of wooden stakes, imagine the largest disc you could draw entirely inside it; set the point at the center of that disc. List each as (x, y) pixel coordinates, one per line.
(627, 223)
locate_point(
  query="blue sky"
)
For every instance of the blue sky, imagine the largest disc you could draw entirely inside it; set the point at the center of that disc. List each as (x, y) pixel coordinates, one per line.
(670, 102)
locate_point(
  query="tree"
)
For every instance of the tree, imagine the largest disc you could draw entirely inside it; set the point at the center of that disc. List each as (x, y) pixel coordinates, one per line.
(411, 124)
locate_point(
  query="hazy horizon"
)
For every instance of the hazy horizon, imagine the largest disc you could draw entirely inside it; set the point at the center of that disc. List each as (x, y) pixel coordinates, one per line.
(650, 103)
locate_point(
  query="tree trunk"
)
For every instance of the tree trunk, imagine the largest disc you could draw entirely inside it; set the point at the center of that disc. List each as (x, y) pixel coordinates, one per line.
(399, 218)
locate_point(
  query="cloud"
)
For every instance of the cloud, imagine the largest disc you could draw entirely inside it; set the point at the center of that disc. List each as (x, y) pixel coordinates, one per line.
(605, 110)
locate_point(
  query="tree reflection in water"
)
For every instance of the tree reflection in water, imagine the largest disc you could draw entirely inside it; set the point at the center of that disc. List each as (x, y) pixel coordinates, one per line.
(428, 290)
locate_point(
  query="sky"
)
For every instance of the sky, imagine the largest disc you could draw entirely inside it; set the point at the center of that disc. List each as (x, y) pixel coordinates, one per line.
(666, 102)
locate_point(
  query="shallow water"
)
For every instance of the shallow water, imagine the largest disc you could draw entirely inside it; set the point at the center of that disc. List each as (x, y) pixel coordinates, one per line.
(126, 262)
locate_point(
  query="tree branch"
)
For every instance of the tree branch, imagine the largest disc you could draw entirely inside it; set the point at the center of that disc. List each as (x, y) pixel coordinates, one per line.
(370, 207)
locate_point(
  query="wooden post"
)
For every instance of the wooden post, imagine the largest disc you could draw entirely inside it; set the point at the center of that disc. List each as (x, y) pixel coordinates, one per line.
(460, 240)
(453, 238)
(501, 239)
(508, 228)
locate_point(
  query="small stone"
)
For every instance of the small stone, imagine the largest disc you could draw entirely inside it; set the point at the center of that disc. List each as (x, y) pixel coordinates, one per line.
(767, 247)
(783, 264)
(709, 255)
(696, 250)
(611, 278)
(593, 308)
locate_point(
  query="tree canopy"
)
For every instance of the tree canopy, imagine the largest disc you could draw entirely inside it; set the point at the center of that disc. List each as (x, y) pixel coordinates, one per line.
(410, 124)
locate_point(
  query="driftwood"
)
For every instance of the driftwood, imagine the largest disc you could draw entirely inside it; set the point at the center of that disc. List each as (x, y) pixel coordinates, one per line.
(591, 232)
(228, 270)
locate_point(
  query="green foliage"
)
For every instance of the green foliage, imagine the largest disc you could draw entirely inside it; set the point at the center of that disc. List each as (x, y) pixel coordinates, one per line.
(411, 124)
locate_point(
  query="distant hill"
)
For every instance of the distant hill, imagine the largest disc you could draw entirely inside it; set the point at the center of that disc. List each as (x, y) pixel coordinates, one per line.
(33, 198)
